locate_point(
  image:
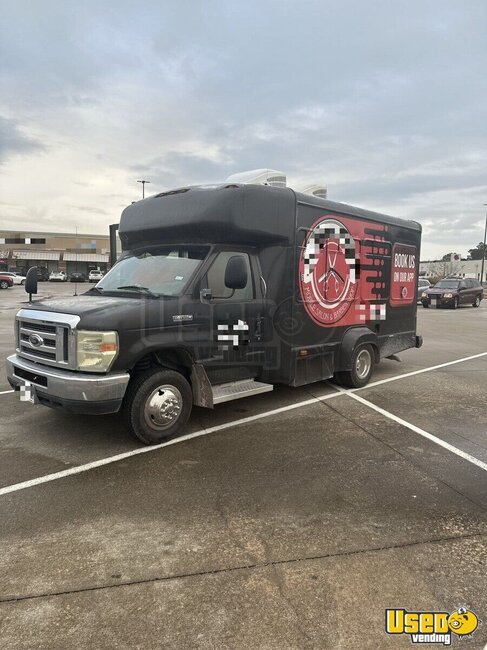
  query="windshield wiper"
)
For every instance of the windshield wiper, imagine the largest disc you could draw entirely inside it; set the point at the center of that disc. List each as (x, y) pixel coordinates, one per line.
(138, 287)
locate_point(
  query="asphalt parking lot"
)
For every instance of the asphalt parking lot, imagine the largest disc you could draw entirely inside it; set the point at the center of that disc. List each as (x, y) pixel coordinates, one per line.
(289, 520)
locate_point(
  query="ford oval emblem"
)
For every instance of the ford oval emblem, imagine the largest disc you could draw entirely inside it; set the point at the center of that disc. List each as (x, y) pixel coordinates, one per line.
(35, 340)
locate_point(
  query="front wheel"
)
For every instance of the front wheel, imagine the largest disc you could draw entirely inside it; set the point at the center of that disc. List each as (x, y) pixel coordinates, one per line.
(157, 405)
(477, 302)
(455, 303)
(361, 371)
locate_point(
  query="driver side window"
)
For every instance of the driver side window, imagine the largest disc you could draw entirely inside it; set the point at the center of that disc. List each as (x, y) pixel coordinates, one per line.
(215, 278)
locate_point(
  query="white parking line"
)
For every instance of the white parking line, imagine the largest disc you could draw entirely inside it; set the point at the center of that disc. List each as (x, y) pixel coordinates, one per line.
(5, 392)
(419, 372)
(421, 432)
(144, 450)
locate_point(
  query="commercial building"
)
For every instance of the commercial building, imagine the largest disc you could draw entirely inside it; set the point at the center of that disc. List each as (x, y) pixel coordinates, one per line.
(458, 267)
(68, 252)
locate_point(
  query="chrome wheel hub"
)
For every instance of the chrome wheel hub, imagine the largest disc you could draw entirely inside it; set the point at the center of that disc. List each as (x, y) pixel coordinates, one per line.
(363, 363)
(163, 407)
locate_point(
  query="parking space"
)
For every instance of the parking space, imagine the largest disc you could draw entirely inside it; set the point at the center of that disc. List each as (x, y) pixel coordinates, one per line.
(288, 520)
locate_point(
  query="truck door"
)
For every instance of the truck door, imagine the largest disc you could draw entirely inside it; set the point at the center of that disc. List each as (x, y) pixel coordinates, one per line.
(236, 316)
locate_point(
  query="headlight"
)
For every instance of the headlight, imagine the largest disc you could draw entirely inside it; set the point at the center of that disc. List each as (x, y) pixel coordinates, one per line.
(447, 295)
(96, 351)
(424, 295)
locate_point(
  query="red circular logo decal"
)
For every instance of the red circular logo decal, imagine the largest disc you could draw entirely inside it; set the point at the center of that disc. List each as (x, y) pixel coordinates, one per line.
(327, 271)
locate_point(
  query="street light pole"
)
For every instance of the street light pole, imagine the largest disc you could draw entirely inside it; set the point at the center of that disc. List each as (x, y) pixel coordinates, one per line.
(483, 250)
(143, 187)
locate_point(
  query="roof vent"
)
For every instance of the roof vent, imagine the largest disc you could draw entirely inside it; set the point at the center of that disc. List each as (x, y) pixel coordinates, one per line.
(319, 191)
(259, 177)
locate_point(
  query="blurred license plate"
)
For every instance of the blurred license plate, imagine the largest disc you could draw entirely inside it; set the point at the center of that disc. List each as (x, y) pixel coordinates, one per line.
(434, 302)
(28, 393)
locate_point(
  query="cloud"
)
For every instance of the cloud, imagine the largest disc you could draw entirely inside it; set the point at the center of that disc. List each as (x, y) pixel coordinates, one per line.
(383, 102)
(13, 141)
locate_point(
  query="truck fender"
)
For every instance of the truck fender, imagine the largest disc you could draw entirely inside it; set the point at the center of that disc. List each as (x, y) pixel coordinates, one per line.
(181, 361)
(352, 338)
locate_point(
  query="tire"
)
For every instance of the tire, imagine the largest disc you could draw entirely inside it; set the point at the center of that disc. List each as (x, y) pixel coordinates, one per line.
(477, 302)
(4, 285)
(425, 305)
(150, 392)
(362, 368)
(22, 282)
(455, 303)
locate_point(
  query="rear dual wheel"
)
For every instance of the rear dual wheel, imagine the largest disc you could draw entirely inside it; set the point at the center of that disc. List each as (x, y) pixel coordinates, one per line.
(362, 366)
(157, 405)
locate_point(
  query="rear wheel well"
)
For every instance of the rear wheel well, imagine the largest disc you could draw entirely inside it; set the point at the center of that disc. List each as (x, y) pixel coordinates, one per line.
(354, 338)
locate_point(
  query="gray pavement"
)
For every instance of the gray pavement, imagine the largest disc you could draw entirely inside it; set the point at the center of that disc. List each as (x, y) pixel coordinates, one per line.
(292, 531)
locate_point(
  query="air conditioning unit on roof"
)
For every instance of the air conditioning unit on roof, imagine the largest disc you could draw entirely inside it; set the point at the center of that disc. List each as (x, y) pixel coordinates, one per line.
(259, 177)
(314, 189)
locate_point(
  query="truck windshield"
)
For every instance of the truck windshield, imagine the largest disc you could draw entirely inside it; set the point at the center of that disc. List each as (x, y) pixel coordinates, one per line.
(160, 271)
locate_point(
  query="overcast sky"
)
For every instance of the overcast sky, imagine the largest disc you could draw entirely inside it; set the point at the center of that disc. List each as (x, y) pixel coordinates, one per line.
(384, 101)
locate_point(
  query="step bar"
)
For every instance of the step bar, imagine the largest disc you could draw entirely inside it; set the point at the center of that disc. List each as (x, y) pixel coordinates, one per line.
(238, 389)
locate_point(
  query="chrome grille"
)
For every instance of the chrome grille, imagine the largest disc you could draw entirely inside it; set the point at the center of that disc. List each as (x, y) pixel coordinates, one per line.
(38, 353)
(40, 327)
(46, 337)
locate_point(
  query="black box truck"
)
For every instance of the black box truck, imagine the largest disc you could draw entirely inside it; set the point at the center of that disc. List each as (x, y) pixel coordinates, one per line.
(221, 292)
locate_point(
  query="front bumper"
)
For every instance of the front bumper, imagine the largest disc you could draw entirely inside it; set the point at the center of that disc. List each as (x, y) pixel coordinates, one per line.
(438, 301)
(76, 392)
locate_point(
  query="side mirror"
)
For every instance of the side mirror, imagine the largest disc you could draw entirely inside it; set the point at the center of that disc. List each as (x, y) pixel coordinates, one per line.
(31, 281)
(236, 273)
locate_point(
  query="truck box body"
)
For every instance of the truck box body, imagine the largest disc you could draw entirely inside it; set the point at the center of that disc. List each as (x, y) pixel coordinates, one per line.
(281, 228)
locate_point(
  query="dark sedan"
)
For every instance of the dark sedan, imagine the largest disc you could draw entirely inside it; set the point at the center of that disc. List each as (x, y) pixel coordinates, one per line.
(453, 292)
(78, 277)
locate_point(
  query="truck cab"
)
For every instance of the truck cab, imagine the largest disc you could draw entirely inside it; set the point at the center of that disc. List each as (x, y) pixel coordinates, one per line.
(221, 292)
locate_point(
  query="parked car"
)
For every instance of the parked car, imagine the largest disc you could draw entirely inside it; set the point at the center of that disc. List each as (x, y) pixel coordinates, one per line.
(17, 278)
(95, 275)
(452, 292)
(423, 284)
(5, 281)
(78, 277)
(58, 276)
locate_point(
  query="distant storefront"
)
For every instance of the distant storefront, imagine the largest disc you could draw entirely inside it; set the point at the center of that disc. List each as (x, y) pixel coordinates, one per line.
(53, 251)
(456, 266)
